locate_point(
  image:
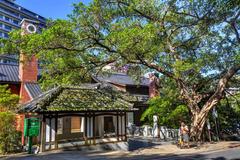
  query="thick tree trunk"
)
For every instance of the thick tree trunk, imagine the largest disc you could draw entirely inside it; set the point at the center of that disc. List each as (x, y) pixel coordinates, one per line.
(198, 123)
(196, 128)
(200, 117)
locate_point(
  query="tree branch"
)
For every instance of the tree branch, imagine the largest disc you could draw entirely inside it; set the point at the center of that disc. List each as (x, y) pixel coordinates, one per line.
(138, 11)
(233, 24)
(218, 94)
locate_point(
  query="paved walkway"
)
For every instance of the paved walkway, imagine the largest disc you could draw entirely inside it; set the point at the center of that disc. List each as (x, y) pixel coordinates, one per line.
(208, 147)
(166, 151)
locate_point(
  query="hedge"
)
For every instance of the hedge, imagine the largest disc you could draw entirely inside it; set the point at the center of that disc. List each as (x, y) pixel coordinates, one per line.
(10, 138)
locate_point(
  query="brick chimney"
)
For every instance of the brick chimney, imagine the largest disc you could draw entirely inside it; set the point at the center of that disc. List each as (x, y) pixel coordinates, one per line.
(153, 85)
(28, 66)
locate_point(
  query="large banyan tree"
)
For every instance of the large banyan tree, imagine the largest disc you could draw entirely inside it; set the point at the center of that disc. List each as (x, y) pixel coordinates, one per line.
(196, 43)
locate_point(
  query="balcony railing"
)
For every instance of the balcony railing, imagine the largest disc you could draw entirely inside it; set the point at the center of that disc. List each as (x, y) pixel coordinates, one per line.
(25, 11)
(10, 14)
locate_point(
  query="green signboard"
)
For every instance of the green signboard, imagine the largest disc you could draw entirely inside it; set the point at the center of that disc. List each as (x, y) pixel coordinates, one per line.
(31, 127)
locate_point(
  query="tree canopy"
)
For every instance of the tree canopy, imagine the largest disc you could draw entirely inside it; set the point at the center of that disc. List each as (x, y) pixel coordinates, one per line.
(8, 101)
(195, 43)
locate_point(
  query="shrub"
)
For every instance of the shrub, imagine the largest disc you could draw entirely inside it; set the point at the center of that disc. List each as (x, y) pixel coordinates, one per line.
(8, 101)
(10, 138)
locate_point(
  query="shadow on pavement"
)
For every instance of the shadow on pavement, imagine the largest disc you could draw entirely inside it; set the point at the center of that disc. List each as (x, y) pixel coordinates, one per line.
(78, 155)
(135, 144)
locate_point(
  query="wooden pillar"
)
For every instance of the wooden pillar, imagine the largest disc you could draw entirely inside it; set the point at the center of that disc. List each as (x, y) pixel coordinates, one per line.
(85, 128)
(50, 134)
(125, 125)
(93, 130)
(43, 134)
(21, 126)
(90, 129)
(117, 127)
(122, 126)
(56, 128)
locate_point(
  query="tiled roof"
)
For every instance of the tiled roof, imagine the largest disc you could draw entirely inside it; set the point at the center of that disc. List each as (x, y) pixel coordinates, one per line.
(80, 98)
(9, 73)
(121, 78)
(33, 89)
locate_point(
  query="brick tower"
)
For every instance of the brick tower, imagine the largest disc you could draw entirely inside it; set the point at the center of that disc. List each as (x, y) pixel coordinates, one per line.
(28, 66)
(28, 72)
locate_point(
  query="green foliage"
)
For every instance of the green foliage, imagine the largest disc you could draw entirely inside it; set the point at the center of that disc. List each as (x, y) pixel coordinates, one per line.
(8, 101)
(10, 139)
(187, 38)
(234, 102)
(168, 107)
(180, 113)
(168, 114)
(229, 114)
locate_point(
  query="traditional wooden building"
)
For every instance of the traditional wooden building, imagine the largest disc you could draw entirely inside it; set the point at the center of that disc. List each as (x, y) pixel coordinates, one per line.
(84, 115)
(141, 90)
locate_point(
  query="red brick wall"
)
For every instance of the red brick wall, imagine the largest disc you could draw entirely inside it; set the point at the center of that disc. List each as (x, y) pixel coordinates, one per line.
(28, 71)
(28, 68)
(20, 124)
(24, 96)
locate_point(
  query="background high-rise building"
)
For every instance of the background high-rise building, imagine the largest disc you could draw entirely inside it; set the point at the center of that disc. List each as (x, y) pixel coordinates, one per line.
(11, 15)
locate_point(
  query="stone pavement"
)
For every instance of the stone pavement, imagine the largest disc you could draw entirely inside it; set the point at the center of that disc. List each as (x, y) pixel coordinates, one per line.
(165, 151)
(207, 147)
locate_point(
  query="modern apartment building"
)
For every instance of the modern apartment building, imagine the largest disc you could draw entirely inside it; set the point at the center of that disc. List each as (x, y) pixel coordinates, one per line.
(11, 15)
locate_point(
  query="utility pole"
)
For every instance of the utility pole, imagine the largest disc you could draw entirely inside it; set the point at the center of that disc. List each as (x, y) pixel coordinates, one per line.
(215, 116)
(209, 131)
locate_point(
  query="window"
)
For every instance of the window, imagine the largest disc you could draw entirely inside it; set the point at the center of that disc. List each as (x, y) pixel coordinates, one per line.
(1, 25)
(60, 126)
(1, 16)
(15, 22)
(6, 61)
(6, 35)
(108, 125)
(8, 27)
(75, 124)
(7, 18)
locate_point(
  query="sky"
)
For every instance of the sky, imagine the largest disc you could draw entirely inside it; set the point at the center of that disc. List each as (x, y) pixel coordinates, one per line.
(50, 8)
